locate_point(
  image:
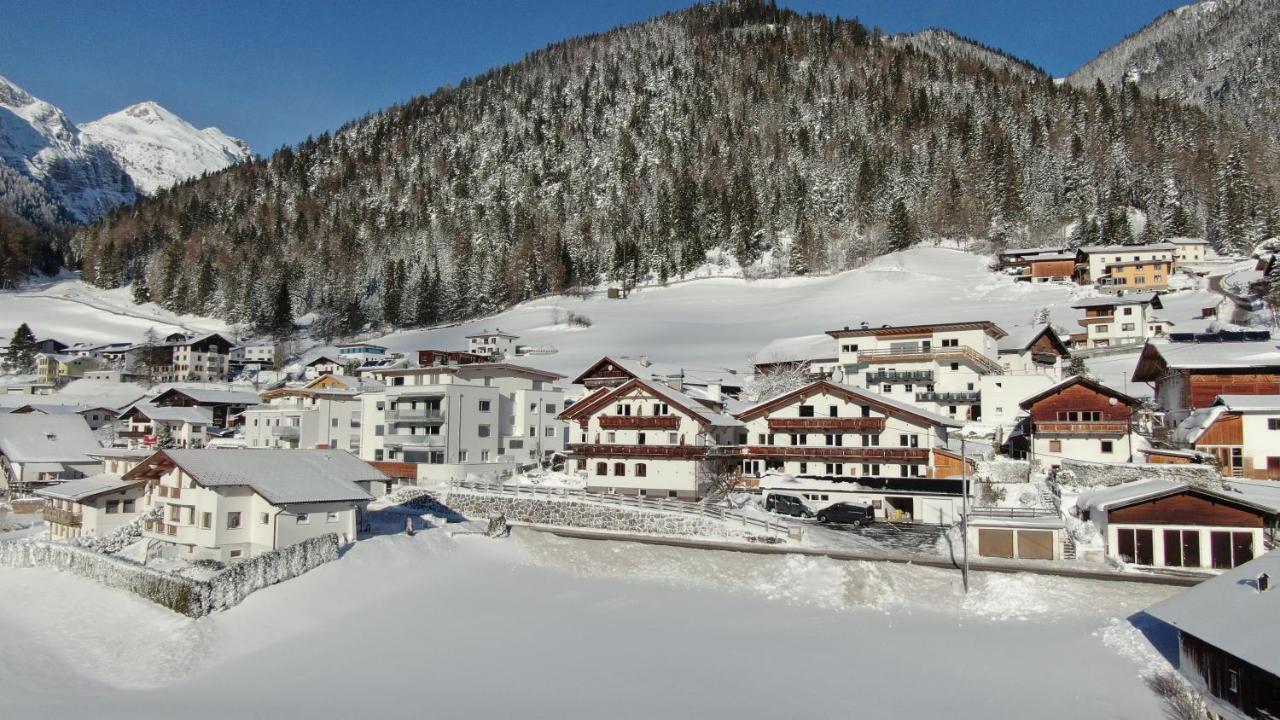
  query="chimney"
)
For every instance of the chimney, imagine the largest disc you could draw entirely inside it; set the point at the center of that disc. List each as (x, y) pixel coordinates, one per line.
(1264, 582)
(643, 360)
(714, 393)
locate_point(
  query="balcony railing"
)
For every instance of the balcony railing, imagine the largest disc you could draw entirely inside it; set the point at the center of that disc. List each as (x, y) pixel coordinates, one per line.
(1083, 429)
(892, 377)
(629, 422)
(62, 517)
(645, 451)
(823, 452)
(825, 424)
(949, 398)
(411, 414)
(919, 353)
(288, 432)
(417, 441)
(133, 433)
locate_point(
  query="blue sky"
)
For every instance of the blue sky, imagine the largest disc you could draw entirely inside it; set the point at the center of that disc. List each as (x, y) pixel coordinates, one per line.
(274, 71)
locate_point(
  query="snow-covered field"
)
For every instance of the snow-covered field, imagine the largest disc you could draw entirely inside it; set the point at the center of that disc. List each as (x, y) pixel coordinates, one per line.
(73, 311)
(722, 322)
(541, 627)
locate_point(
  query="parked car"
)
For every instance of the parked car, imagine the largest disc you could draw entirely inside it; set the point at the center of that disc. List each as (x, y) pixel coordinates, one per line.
(847, 513)
(787, 505)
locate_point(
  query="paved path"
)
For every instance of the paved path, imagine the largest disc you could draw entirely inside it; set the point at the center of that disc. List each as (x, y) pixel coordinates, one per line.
(975, 564)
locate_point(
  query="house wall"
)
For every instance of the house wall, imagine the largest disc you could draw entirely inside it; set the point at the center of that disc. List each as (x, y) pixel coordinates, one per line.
(1086, 449)
(1205, 539)
(1208, 668)
(98, 519)
(321, 421)
(1044, 270)
(1001, 395)
(1079, 398)
(305, 521)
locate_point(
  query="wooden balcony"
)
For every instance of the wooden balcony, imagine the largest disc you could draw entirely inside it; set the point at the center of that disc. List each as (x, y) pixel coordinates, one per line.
(585, 450)
(1082, 429)
(827, 452)
(133, 433)
(929, 354)
(826, 424)
(636, 422)
(58, 516)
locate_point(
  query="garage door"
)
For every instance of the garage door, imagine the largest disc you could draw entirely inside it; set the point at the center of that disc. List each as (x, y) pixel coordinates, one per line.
(995, 543)
(1035, 544)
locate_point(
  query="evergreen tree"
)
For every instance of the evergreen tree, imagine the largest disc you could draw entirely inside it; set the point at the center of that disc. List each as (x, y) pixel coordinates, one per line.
(281, 322)
(21, 356)
(1234, 206)
(901, 233)
(141, 291)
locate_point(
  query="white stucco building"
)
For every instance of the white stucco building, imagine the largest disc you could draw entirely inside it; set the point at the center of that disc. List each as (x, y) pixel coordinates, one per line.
(446, 422)
(37, 450)
(1121, 320)
(92, 506)
(305, 418)
(228, 505)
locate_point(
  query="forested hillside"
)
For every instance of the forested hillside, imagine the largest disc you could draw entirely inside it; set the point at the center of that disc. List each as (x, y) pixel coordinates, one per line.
(635, 152)
(1222, 55)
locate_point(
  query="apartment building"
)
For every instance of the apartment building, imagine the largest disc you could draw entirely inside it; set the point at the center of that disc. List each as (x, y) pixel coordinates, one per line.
(222, 404)
(89, 507)
(37, 450)
(1189, 250)
(146, 425)
(54, 368)
(646, 438)
(228, 505)
(494, 344)
(1126, 267)
(1120, 320)
(293, 418)
(446, 422)
(938, 367)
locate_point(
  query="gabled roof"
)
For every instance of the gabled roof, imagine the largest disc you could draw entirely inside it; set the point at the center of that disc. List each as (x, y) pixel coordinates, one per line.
(1020, 339)
(645, 370)
(689, 405)
(202, 338)
(350, 382)
(1230, 614)
(85, 488)
(1016, 252)
(1249, 403)
(1159, 355)
(1186, 241)
(324, 359)
(280, 476)
(1141, 491)
(30, 438)
(156, 413)
(1078, 380)
(888, 330)
(1156, 247)
(362, 344)
(493, 333)
(211, 397)
(885, 404)
(1108, 301)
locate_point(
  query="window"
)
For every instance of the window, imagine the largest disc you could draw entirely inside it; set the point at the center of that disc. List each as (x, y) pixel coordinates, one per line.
(642, 470)
(619, 469)
(1126, 327)
(672, 439)
(801, 439)
(611, 437)
(126, 506)
(950, 342)
(886, 388)
(264, 518)
(113, 506)
(515, 444)
(304, 518)
(806, 411)
(380, 405)
(908, 387)
(602, 469)
(955, 366)
(835, 440)
(462, 456)
(206, 520)
(870, 440)
(849, 347)
(1233, 682)
(866, 411)
(533, 407)
(484, 406)
(1126, 311)
(1273, 423)
(804, 468)
(236, 553)
(834, 469)
(639, 438)
(331, 517)
(484, 456)
(378, 454)
(333, 422)
(233, 521)
(379, 430)
(1108, 446)
(550, 431)
(550, 409)
(671, 493)
(1055, 446)
(482, 431)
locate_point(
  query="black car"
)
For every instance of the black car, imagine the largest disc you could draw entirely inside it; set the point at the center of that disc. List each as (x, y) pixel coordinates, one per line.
(787, 505)
(847, 513)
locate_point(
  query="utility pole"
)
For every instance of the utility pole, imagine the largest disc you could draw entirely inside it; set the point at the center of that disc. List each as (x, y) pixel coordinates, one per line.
(964, 517)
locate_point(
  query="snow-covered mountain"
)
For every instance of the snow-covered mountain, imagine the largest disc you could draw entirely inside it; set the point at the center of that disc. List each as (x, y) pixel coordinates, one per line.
(81, 172)
(38, 143)
(1219, 54)
(159, 149)
(945, 43)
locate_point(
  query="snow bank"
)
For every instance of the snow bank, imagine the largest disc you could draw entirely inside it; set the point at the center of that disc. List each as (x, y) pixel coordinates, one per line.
(1087, 475)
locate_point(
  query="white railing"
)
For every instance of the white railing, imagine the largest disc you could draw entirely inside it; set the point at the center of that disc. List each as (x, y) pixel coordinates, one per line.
(774, 527)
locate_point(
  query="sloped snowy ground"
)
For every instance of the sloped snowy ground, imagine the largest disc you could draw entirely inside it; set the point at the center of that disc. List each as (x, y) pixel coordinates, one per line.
(544, 627)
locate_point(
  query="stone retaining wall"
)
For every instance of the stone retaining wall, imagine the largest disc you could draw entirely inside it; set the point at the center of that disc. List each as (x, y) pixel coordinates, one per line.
(1095, 475)
(194, 598)
(581, 514)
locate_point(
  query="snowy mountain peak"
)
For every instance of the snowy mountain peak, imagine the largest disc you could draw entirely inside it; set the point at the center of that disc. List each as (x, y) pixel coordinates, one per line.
(159, 149)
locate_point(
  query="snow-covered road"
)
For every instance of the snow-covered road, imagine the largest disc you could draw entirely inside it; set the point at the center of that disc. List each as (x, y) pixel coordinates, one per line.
(538, 626)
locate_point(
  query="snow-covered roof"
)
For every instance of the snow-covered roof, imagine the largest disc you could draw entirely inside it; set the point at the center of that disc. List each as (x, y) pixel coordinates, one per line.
(712, 417)
(31, 438)
(52, 408)
(1021, 337)
(1032, 251)
(1125, 248)
(122, 453)
(1104, 499)
(84, 488)
(802, 348)
(1197, 424)
(1249, 403)
(1210, 355)
(358, 384)
(905, 407)
(216, 397)
(1229, 613)
(1107, 301)
(1186, 241)
(156, 413)
(1094, 385)
(1050, 257)
(490, 333)
(280, 476)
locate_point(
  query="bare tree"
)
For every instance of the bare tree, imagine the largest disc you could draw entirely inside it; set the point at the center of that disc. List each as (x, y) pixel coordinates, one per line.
(779, 378)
